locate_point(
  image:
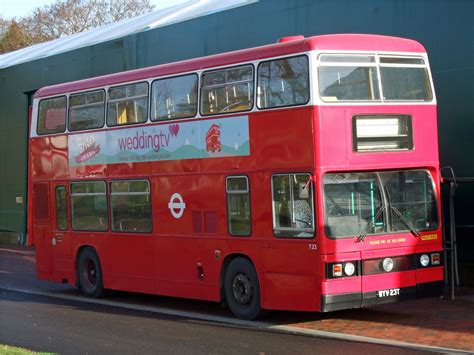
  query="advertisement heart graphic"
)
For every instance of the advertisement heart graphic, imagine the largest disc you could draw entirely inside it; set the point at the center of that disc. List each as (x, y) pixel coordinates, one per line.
(174, 129)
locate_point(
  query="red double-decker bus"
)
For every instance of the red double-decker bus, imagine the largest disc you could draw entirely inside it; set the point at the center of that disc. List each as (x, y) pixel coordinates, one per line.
(324, 195)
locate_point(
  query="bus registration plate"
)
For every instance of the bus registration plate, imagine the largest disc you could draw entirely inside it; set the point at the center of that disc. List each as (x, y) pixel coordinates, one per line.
(388, 293)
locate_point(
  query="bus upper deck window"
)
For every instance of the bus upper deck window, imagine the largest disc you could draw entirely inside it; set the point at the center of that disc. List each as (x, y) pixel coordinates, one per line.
(348, 78)
(227, 90)
(87, 110)
(127, 104)
(405, 79)
(174, 97)
(52, 115)
(283, 82)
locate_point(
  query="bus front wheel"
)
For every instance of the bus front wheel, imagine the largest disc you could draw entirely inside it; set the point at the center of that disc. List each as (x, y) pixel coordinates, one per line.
(90, 274)
(242, 290)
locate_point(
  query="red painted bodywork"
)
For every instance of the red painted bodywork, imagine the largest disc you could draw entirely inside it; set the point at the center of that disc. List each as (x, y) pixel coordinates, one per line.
(311, 139)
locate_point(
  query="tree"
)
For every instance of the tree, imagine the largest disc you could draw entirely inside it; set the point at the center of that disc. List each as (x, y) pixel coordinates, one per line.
(66, 17)
(13, 37)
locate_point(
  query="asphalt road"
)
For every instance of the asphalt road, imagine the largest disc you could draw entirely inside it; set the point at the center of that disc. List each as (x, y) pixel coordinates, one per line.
(70, 327)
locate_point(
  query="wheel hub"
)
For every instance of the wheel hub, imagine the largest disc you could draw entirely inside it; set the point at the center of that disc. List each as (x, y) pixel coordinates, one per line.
(242, 289)
(90, 273)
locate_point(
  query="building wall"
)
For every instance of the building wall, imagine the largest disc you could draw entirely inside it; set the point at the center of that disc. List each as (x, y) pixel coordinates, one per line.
(443, 26)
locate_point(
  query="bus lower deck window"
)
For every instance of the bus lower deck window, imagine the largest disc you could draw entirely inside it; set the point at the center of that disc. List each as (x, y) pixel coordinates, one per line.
(238, 205)
(89, 206)
(130, 206)
(293, 211)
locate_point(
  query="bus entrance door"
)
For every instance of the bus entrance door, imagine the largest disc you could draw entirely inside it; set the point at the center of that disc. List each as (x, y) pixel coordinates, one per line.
(60, 237)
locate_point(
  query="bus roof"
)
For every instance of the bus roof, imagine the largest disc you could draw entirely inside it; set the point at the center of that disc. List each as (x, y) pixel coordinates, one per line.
(346, 42)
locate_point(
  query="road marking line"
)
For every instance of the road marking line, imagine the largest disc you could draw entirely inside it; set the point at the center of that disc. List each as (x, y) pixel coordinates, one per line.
(234, 321)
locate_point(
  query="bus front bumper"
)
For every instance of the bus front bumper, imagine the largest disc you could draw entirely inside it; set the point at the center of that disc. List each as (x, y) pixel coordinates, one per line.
(357, 299)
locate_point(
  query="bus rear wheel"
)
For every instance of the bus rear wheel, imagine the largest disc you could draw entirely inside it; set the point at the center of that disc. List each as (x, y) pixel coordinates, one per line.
(90, 274)
(242, 289)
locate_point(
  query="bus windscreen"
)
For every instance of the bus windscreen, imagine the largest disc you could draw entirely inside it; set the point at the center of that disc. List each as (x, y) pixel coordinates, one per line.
(379, 203)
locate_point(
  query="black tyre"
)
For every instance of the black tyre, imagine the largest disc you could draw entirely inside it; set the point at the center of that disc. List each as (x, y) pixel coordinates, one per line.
(90, 274)
(242, 291)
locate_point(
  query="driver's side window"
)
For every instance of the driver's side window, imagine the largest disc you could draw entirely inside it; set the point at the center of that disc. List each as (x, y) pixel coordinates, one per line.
(293, 211)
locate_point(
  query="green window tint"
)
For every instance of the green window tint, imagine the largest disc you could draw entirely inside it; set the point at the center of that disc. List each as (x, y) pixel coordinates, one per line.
(238, 206)
(228, 90)
(127, 104)
(174, 97)
(61, 208)
(87, 111)
(293, 211)
(341, 58)
(130, 206)
(52, 115)
(89, 206)
(283, 82)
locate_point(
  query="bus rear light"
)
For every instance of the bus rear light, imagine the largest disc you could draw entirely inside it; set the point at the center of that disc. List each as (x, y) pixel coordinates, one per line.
(382, 133)
(337, 270)
(435, 259)
(342, 269)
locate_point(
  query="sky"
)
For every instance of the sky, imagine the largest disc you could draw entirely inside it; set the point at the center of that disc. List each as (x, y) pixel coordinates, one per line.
(21, 8)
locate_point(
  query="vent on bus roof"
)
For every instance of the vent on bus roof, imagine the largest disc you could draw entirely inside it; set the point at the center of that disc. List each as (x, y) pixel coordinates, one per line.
(290, 38)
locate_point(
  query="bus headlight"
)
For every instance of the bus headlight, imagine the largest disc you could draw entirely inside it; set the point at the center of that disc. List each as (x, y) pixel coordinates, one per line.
(424, 260)
(349, 269)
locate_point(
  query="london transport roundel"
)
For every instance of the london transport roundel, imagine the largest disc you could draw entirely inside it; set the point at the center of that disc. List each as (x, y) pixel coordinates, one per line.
(176, 205)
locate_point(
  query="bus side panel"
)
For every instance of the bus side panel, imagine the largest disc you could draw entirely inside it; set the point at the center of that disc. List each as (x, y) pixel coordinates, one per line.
(44, 255)
(128, 262)
(291, 275)
(189, 224)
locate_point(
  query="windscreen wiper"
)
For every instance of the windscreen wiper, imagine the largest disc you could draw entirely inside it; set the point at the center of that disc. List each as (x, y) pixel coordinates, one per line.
(405, 221)
(363, 233)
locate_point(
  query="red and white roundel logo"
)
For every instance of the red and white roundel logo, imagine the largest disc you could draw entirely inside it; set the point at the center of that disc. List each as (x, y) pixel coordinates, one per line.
(176, 205)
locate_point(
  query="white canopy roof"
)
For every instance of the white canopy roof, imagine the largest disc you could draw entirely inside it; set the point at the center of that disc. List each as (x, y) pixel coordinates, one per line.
(167, 16)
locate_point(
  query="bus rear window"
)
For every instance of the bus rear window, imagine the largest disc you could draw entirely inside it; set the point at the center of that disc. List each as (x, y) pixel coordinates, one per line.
(127, 104)
(283, 82)
(86, 111)
(228, 90)
(174, 98)
(52, 115)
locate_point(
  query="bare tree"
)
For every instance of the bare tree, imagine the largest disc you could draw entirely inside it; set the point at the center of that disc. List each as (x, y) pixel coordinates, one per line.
(66, 17)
